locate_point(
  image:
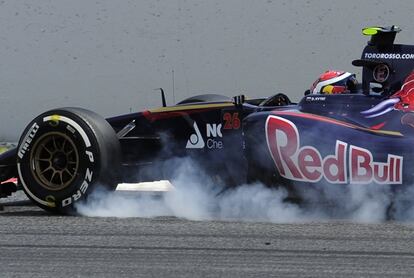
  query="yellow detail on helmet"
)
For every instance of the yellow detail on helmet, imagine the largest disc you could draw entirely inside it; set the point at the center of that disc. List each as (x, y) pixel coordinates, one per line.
(328, 89)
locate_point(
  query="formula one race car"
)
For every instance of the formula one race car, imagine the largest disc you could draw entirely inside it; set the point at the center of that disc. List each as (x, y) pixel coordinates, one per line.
(359, 138)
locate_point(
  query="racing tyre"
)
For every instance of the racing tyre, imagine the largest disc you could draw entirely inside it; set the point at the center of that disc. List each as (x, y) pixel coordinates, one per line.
(64, 154)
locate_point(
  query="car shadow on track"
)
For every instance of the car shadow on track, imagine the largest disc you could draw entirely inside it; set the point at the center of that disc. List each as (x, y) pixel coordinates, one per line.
(22, 208)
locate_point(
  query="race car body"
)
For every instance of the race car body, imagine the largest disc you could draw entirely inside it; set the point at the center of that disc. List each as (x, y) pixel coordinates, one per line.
(359, 138)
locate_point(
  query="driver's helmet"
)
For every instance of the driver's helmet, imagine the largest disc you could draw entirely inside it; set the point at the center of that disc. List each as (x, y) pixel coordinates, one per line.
(334, 82)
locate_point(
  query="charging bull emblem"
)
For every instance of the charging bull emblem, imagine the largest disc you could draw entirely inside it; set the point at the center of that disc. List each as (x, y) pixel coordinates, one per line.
(348, 164)
(402, 100)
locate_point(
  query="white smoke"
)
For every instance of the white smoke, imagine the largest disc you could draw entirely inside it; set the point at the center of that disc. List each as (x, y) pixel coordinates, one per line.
(197, 197)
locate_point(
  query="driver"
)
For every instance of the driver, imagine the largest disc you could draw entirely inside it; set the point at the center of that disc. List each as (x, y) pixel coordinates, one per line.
(334, 82)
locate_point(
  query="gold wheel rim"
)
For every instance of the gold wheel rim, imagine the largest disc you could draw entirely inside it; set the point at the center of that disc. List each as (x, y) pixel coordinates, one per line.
(54, 161)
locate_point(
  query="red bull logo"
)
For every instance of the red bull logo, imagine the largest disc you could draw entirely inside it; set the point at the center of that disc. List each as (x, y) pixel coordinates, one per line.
(402, 100)
(348, 164)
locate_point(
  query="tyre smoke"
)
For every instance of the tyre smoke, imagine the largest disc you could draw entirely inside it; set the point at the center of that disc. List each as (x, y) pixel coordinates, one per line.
(197, 196)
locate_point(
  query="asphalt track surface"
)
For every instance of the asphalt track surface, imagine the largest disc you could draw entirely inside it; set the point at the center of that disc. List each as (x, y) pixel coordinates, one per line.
(34, 243)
